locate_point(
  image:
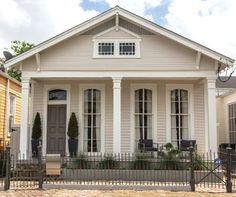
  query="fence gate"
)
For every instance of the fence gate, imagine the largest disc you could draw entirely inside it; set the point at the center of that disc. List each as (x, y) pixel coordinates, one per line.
(213, 171)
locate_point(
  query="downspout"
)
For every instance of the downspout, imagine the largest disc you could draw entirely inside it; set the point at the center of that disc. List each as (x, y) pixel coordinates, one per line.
(6, 114)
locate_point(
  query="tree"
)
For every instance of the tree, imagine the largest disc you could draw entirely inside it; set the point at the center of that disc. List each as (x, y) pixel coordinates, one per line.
(73, 127)
(37, 129)
(18, 48)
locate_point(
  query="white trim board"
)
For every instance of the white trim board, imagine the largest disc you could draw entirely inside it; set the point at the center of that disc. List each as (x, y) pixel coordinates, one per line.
(131, 17)
(46, 89)
(190, 89)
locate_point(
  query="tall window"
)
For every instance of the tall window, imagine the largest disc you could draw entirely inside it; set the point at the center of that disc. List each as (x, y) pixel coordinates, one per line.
(92, 120)
(232, 122)
(11, 113)
(179, 116)
(143, 114)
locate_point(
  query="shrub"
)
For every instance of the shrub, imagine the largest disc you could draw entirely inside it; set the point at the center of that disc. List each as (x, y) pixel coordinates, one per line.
(37, 129)
(141, 162)
(109, 162)
(73, 129)
(82, 161)
(170, 159)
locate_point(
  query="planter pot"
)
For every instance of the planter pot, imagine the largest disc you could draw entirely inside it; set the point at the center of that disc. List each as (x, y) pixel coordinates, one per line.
(73, 146)
(34, 146)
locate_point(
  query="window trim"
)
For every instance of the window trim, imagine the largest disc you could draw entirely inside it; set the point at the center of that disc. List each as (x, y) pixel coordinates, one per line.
(83, 87)
(189, 88)
(117, 42)
(136, 86)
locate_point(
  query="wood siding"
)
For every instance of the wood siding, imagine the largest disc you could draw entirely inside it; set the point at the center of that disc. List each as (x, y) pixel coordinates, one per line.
(15, 90)
(157, 53)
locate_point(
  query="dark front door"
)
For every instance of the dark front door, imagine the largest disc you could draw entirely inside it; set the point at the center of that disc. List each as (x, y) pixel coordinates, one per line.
(56, 129)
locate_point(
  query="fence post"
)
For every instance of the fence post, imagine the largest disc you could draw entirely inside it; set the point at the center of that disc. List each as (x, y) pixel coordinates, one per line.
(40, 167)
(228, 170)
(8, 168)
(192, 177)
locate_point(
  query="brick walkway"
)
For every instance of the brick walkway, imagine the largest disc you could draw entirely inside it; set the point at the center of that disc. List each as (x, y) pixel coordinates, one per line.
(115, 193)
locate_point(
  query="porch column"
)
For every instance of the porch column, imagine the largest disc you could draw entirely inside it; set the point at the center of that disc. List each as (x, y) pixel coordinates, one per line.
(116, 115)
(24, 115)
(211, 115)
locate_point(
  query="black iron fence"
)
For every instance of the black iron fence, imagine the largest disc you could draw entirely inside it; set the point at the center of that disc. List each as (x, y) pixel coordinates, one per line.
(164, 168)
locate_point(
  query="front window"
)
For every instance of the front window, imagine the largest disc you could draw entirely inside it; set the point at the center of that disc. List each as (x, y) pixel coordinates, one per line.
(143, 114)
(232, 123)
(179, 116)
(92, 120)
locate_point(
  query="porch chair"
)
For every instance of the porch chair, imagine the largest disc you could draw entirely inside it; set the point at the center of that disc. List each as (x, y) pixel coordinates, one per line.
(186, 144)
(146, 145)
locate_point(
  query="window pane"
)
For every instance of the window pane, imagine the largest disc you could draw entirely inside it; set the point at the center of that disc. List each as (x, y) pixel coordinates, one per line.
(184, 121)
(174, 95)
(183, 95)
(57, 94)
(147, 95)
(184, 107)
(234, 110)
(174, 107)
(148, 107)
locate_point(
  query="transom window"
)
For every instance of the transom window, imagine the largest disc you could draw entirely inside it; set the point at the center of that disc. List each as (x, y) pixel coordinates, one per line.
(127, 48)
(232, 122)
(92, 120)
(143, 114)
(57, 94)
(106, 48)
(179, 116)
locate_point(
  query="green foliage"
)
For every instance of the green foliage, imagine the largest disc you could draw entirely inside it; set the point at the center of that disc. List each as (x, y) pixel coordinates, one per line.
(37, 129)
(14, 73)
(73, 129)
(109, 162)
(18, 48)
(170, 159)
(141, 162)
(80, 162)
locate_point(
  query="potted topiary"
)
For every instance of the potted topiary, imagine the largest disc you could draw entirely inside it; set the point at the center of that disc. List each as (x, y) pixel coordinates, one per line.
(36, 134)
(73, 132)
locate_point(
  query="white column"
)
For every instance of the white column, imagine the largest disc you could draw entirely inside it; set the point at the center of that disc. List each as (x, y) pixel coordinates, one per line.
(116, 115)
(211, 115)
(24, 115)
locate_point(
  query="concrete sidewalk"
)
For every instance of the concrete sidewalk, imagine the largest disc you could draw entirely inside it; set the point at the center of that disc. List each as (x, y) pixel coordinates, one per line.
(114, 193)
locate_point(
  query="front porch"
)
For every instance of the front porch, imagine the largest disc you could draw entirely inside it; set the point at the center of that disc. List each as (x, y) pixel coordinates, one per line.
(115, 112)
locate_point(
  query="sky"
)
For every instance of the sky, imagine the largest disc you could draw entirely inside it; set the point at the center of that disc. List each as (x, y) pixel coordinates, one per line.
(208, 22)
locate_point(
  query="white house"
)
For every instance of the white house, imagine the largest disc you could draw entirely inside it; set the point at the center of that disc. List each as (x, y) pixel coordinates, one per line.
(226, 110)
(126, 78)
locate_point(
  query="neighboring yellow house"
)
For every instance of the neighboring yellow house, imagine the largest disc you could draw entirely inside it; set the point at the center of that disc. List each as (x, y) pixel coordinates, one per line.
(10, 106)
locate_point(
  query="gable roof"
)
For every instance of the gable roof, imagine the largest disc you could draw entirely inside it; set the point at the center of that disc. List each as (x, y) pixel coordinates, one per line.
(128, 16)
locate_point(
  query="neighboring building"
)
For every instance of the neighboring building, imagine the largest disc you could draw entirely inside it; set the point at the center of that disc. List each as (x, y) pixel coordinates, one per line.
(126, 78)
(226, 111)
(10, 106)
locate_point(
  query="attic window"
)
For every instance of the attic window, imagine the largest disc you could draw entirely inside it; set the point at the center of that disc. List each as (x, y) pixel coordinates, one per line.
(127, 48)
(119, 48)
(106, 48)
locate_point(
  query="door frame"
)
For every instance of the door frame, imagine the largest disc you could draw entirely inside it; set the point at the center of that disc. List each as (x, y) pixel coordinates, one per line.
(46, 89)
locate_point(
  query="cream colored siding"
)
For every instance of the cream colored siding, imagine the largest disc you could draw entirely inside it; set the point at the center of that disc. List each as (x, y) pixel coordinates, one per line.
(199, 116)
(157, 53)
